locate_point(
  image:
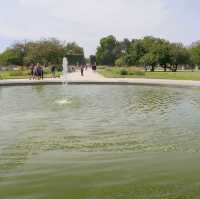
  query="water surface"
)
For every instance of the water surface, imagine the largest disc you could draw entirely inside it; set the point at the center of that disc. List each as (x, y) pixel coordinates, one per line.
(99, 142)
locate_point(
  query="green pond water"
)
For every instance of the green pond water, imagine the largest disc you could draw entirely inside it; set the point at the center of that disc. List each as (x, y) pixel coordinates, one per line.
(99, 142)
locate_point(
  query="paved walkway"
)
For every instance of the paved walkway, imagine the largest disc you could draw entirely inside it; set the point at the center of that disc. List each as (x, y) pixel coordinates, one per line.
(91, 77)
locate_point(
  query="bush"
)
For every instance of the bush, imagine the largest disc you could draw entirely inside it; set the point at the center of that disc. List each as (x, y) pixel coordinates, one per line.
(16, 73)
(131, 73)
(123, 72)
(47, 70)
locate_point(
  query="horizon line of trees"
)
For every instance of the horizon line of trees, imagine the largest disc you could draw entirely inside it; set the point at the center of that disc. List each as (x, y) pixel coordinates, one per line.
(147, 52)
(45, 51)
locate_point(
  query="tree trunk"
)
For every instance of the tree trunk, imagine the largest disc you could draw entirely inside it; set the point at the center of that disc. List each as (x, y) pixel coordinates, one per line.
(152, 68)
(176, 67)
(165, 68)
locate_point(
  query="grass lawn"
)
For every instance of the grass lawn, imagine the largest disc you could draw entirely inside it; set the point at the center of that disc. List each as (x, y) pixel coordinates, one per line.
(116, 72)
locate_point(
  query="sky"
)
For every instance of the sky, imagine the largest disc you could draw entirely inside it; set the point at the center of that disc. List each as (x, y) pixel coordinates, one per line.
(87, 21)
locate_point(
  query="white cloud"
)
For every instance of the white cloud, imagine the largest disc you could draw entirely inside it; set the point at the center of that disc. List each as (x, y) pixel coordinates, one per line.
(84, 21)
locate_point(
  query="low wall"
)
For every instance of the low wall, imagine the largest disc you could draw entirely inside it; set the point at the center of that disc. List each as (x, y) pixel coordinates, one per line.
(144, 82)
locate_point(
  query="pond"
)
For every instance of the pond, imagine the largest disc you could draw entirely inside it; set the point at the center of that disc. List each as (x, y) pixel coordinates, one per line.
(102, 142)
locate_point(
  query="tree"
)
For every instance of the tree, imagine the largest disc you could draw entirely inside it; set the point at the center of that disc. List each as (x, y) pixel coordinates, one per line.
(73, 48)
(195, 53)
(162, 50)
(149, 59)
(123, 46)
(120, 61)
(179, 55)
(45, 51)
(20, 49)
(92, 59)
(108, 51)
(157, 48)
(10, 57)
(135, 51)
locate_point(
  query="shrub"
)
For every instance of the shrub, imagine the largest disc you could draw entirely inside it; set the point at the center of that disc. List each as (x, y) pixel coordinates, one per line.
(131, 73)
(47, 71)
(123, 72)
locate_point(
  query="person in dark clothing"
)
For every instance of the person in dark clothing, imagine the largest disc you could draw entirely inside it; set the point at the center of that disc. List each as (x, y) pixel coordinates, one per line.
(94, 67)
(53, 71)
(82, 70)
(35, 72)
(40, 72)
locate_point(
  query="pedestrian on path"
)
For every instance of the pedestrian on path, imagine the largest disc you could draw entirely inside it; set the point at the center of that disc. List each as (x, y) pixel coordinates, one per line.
(53, 71)
(82, 70)
(94, 67)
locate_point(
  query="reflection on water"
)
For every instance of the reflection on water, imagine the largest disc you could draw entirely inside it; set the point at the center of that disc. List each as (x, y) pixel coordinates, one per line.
(63, 102)
(96, 119)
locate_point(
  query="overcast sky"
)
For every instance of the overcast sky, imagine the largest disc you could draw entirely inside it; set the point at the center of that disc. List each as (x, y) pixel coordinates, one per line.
(86, 21)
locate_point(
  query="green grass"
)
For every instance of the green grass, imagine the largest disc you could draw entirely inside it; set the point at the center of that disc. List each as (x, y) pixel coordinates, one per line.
(116, 72)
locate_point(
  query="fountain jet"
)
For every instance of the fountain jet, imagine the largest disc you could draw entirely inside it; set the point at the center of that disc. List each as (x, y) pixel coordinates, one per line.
(65, 69)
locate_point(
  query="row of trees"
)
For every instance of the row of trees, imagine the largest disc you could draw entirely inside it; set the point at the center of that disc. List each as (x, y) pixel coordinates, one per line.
(149, 51)
(46, 51)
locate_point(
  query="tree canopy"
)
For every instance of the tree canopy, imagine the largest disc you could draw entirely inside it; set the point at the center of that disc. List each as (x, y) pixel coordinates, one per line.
(45, 51)
(195, 53)
(148, 51)
(107, 51)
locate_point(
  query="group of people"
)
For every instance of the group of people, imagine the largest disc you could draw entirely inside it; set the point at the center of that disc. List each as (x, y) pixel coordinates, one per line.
(37, 71)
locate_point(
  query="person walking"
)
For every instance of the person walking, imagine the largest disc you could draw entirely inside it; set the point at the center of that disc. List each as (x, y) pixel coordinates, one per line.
(31, 72)
(94, 67)
(35, 72)
(39, 71)
(82, 70)
(42, 70)
(53, 71)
